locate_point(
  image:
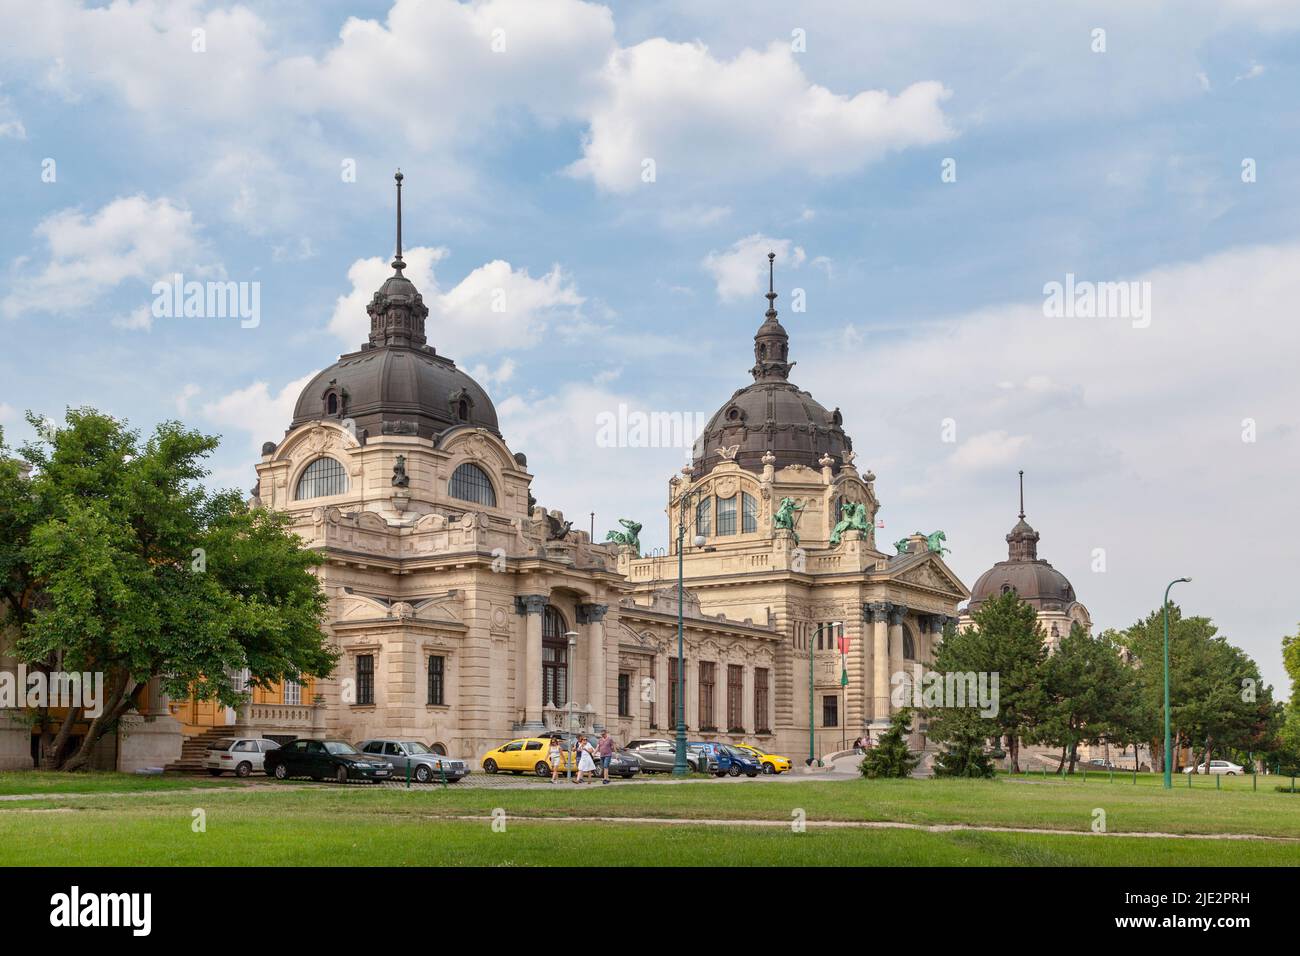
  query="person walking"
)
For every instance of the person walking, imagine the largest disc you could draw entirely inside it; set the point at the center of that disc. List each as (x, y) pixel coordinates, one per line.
(557, 759)
(585, 764)
(605, 750)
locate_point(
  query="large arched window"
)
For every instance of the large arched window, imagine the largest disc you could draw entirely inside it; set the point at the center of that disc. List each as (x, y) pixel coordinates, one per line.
(909, 644)
(704, 517)
(323, 477)
(469, 482)
(748, 513)
(555, 658)
(727, 515)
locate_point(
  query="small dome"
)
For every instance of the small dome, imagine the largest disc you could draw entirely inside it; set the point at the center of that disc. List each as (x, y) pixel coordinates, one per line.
(1037, 583)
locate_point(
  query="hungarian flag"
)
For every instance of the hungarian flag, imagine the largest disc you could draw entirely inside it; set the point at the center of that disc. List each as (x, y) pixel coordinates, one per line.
(843, 642)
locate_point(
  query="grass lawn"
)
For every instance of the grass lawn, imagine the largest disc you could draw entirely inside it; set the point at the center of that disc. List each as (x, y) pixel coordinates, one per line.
(358, 825)
(39, 781)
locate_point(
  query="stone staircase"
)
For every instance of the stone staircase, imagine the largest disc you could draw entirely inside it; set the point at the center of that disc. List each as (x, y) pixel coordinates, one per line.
(195, 748)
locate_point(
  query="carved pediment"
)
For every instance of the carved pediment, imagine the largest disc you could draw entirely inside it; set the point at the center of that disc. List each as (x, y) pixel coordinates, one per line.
(933, 574)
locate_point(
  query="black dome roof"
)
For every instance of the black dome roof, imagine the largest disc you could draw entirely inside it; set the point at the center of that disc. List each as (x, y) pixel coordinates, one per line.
(1033, 579)
(397, 384)
(772, 415)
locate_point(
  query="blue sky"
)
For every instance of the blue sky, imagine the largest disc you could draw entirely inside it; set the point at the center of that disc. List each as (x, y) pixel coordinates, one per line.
(820, 133)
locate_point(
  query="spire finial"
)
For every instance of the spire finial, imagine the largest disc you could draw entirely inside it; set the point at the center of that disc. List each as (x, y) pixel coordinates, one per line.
(1022, 494)
(771, 286)
(398, 264)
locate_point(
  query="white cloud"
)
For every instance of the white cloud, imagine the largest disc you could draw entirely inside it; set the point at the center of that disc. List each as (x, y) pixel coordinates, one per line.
(495, 308)
(987, 450)
(130, 238)
(257, 412)
(137, 320)
(741, 271)
(752, 116)
(186, 393)
(7, 413)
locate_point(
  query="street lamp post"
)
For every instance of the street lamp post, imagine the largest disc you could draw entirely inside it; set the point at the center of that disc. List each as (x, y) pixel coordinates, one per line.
(680, 767)
(1169, 771)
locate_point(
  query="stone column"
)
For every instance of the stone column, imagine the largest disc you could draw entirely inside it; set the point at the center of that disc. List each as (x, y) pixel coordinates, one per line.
(532, 607)
(876, 615)
(896, 614)
(593, 615)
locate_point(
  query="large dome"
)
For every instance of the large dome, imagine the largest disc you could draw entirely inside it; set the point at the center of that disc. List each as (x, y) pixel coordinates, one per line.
(1033, 579)
(772, 415)
(396, 384)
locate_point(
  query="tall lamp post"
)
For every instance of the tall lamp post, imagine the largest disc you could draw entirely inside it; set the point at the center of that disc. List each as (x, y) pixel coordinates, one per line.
(1169, 769)
(812, 756)
(685, 504)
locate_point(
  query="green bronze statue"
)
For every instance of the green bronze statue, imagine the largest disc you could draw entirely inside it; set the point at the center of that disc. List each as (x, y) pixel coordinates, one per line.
(934, 542)
(630, 537)
(854, 518)
(784, 517)
(901, 545)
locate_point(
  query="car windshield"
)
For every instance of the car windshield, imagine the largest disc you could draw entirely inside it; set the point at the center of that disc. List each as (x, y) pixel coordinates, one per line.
(225, 743)
(415, 747)
(339, 747)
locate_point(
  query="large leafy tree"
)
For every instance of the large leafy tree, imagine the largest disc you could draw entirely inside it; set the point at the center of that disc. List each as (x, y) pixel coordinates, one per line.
(1217, 700)
(1004, 639)
(1090, 694)
(115, 559)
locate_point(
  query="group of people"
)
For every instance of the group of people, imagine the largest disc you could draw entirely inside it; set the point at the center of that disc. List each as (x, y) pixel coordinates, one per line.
(584, 756)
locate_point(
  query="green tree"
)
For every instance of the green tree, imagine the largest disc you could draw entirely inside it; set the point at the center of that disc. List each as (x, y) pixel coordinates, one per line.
(122, 563)
(1004, 639)
(1090, 694)
(965, 737)
(890, 757)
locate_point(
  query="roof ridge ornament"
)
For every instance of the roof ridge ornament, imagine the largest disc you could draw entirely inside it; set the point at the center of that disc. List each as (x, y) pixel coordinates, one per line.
(398, 264)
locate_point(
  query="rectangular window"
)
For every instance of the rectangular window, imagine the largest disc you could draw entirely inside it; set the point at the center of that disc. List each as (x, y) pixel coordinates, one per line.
(365, 678)
(749, 513)
(761, 723)
(624, 694)
(292, 692)
(727, 515)
(437, 679)
(735, 698)
(830, 711)
(673, 691)
(706, 696)
(704, 517)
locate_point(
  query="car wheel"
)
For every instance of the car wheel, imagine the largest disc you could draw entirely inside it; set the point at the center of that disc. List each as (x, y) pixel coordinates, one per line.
(769, 768)
(341, 775)
(490, 766)
(734, 771)
(1232, 773)
(751, 774)
(281, 772)
(244, 769)
(423, 774)
(542, 769)
(215, 773)
(720, 774)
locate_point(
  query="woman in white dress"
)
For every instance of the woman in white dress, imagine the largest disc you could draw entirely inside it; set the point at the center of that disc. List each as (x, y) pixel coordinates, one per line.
(585, 763)
(557, 759)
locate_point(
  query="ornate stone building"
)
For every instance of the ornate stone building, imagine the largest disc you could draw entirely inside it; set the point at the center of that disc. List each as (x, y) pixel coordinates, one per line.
(466, 614)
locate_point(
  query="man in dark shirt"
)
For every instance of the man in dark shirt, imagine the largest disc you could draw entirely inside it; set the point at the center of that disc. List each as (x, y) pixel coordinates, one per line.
(605, 750)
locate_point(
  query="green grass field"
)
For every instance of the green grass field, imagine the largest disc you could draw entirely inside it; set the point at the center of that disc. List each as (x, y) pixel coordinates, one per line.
(357, 825)
(35, 782)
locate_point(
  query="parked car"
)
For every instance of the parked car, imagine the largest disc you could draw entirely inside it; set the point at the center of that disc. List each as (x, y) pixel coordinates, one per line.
(414, 758)
(623, 763)
(527, 754)
(1225, 767)
(771, 763)
(659, 756)
(319, 759)
(241, 756)
(723, 759)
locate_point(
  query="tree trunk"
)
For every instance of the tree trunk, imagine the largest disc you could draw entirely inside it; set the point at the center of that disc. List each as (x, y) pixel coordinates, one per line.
(1013, 747)
(1060, 764)
(1209, 747)
(1074, 754)
(118, 704)
(52, 751)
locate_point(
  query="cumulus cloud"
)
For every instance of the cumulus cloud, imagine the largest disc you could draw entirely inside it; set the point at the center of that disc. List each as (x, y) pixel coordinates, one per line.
(495, 307)
(754, 115)
(130, 238)
(741, 271)
(256, 411)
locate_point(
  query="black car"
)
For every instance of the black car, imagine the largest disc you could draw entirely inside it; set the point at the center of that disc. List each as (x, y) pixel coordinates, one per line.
(319, 759)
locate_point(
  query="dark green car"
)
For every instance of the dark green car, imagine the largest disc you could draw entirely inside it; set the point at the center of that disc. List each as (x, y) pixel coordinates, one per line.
(326, 759)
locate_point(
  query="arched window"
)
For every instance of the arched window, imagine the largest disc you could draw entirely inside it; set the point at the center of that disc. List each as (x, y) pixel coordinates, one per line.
(555, 658)
(462, 410)
(727, 515)
(909, 645)
(323, 477)
(469, 482)
(748, 513)
(704, 517)
(332, 404)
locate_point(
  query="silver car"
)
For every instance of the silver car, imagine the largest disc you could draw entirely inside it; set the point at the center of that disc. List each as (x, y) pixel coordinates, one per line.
(238, 755)
(423, 765)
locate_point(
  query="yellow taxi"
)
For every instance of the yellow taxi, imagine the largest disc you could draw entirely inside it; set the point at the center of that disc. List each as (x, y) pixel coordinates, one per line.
(525, 755)
(771, 763)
